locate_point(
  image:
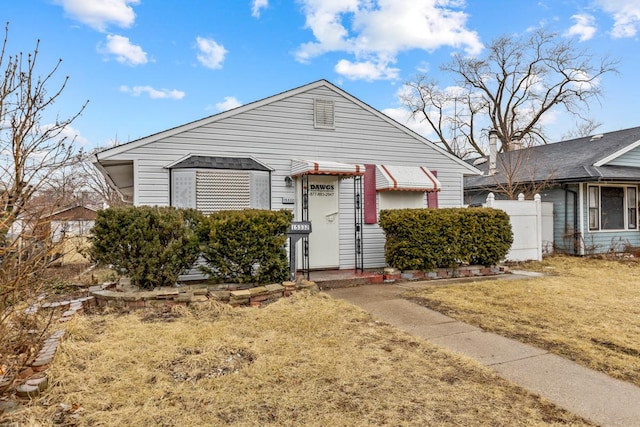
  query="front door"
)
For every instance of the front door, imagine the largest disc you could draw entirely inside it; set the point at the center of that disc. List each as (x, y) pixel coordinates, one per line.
(324, 217)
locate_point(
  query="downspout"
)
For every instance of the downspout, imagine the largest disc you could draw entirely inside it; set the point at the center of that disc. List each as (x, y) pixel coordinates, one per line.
(170, 187)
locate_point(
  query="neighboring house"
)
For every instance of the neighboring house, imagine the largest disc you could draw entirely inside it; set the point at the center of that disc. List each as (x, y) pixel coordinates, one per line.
(316, 150)
(69, 229)
(592, 181)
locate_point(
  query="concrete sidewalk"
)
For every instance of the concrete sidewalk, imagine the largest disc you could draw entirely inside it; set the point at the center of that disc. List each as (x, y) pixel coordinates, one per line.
(584, 392)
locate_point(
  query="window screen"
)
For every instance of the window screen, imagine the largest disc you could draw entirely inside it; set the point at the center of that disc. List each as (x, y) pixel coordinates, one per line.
(217, 191)
(612, 205)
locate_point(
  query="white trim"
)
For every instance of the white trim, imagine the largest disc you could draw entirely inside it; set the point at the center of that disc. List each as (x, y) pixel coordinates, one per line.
(175, 162)
(617, 154)
(135, 187)
(626, 208)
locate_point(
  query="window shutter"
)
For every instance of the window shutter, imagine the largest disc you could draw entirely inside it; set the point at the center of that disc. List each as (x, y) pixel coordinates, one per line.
(183, 191)
(432, 197)
(324, 114)
(370, 208)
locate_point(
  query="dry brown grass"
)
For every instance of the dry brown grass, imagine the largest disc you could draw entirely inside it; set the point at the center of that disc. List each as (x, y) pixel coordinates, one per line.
(587, 310)
(306, 360)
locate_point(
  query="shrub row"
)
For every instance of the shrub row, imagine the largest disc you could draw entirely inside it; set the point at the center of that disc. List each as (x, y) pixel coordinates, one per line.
(425, 239)
(246, 246)
(154, 245)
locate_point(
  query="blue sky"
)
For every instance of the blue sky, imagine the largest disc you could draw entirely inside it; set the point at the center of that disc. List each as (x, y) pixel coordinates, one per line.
(149, 65)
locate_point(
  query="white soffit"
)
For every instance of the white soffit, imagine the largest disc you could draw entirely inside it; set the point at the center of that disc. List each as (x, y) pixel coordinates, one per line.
(405, 178)
(324, 167)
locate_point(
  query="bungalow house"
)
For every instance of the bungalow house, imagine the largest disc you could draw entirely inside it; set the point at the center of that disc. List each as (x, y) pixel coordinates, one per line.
(316, 150)
(592, 182)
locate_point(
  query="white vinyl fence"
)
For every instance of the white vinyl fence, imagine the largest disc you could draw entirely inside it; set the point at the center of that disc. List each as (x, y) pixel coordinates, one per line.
(532, 225)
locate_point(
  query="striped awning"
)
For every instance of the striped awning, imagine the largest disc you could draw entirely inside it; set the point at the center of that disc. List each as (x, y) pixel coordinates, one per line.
(405, 178)
(323, 167)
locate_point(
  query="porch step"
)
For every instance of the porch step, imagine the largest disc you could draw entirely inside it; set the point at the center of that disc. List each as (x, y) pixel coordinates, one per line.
(344, 279)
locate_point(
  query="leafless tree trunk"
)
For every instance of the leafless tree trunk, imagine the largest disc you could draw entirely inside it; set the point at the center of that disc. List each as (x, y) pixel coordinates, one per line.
(511, 89)
(30, 153)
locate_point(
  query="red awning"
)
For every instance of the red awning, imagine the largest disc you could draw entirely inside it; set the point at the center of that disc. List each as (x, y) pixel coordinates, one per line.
(324, 167)
(405, 178)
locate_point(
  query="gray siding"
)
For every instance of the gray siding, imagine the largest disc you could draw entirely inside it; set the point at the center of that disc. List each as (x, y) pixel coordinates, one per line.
(564, 228)
(276, 132)
(631, 158)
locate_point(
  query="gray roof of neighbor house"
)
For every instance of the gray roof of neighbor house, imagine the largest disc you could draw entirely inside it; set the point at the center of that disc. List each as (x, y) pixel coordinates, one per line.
(578, 160)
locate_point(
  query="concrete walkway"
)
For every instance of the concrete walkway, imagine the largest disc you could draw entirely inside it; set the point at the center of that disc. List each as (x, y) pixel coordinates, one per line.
(584, 392)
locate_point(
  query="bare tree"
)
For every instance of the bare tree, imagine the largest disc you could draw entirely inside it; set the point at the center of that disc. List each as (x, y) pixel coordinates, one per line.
(30, 153)
(519, 172)
(511, 89)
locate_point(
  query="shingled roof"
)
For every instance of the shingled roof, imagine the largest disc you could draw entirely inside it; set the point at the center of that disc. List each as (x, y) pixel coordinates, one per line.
(576, 160)
(213, 162)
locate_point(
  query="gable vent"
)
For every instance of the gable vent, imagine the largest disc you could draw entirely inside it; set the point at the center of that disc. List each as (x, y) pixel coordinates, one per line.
(324, 114)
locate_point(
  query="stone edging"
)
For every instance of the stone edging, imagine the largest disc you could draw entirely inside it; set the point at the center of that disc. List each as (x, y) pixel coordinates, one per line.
(393, 275)
(252, 297)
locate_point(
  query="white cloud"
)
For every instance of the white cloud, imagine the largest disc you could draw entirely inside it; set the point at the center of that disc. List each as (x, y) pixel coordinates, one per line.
(626, 16)
(211, 53)
(376, 32)
(153, 93)
(584, 27)
(366, 70)
(257, 6)
(124, 51)
(99, 14)
(228, 103)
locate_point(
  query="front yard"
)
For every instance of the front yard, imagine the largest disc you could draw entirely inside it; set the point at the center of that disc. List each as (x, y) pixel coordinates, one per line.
(587, 310)
(305, 360)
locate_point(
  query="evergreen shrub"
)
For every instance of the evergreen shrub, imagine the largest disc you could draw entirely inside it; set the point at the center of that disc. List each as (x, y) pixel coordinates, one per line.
(425, 239)
(150, 245)
(246, 246)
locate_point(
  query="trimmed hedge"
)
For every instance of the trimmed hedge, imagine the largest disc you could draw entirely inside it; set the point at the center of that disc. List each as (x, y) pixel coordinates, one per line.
(425, 239)
(246, 246)
(150, 245)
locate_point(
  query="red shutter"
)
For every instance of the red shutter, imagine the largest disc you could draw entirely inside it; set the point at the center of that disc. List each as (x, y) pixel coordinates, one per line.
(432, 196)
(370, 209)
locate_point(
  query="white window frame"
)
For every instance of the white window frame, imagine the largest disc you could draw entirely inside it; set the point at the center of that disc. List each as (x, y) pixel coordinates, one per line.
(594, 208)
